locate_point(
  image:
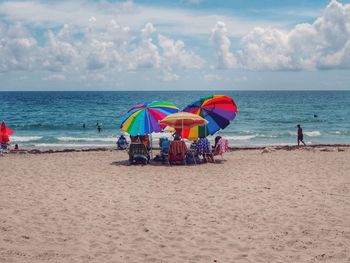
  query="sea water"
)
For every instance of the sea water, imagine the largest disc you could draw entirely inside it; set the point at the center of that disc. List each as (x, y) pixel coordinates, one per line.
(55, 119)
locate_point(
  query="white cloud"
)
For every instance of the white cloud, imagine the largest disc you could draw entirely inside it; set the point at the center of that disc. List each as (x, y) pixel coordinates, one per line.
(147, 31)
(169, 76)
(147, 55)
(92, 20)
(221, 44)
(58, 51)
(211, 77)
(174, 54)
(264, 48)
(107, 38)
(178, 21)
(17, 48)
(54, 77)
(93, 54)
(324, 44)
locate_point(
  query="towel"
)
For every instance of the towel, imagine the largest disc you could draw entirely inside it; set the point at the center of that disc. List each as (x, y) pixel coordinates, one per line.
(177, 147)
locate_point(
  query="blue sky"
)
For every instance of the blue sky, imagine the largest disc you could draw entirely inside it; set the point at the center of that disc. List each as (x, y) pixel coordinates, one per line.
(184, 44)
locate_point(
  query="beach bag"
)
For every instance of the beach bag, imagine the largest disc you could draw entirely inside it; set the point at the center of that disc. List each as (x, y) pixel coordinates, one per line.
(189, 157)
(158, 158)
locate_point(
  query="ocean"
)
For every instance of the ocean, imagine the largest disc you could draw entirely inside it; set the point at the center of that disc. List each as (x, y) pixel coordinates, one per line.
(55, 119)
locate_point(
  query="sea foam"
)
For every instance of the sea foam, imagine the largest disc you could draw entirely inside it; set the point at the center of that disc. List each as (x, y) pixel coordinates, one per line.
(25, 138)
(87, 139)
(313, 133)
(72, 145)
(240, 137)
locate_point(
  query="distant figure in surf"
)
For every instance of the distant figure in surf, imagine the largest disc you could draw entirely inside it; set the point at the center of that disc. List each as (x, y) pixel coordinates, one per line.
(315, 116)
(300, 135)
(98, 127)
(84, 126)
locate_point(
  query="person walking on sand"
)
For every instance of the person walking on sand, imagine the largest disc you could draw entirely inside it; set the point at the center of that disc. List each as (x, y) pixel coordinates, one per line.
(300, 135)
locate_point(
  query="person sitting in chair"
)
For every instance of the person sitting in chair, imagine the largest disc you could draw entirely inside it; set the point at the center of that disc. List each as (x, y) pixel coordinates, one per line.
(134, 139)
(4, 143)
(146, 141)
(215, 147)
(176, 136)
(122, 143)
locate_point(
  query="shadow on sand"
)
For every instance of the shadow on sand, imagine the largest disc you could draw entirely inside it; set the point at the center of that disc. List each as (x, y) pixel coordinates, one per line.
(155, 163)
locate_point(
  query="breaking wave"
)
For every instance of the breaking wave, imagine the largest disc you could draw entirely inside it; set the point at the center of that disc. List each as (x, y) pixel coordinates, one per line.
(313, 133)
(25, 138)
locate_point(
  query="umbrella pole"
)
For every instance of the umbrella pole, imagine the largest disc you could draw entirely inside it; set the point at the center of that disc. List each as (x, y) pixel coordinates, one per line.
(182, 130)
(151, 145)
(151, 140)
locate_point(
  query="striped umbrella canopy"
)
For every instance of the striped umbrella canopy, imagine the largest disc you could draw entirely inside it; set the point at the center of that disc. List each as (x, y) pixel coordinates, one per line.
(183, 120)
(4, 133)
(218, 110)
(144, 118)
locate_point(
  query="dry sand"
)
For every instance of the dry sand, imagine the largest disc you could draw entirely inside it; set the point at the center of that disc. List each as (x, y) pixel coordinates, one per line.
(280, 206)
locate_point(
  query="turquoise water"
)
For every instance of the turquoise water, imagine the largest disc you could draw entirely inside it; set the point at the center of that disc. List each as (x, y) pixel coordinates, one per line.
(54, 119)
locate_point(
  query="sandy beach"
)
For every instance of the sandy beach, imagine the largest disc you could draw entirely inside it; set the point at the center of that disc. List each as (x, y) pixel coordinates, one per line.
(279, 206)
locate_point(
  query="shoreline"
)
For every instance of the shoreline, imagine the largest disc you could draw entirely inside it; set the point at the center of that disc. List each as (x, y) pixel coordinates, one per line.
(231, 149)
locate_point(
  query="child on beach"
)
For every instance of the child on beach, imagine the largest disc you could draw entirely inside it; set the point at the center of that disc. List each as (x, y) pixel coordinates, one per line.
(300, 135)
(122, 143)
(4, 144)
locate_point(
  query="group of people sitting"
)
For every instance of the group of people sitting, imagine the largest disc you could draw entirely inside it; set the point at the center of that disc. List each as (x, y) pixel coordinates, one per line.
(173, 151)
(199, 151)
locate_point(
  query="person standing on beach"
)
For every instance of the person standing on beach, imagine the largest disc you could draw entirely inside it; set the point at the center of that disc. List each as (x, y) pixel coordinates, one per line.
(300, 135)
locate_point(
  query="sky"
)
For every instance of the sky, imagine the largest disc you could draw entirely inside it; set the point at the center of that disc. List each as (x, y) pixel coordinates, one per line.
(175, 45)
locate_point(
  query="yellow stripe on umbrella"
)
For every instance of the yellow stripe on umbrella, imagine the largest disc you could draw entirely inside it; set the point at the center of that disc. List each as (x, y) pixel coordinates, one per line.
(183, 120)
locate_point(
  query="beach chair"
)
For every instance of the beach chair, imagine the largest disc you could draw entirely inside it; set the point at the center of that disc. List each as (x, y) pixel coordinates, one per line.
(204, 149)
(192, 154)
(221, 147)
(3, 148)
(164, 151)
(177, 152)
(138, 153)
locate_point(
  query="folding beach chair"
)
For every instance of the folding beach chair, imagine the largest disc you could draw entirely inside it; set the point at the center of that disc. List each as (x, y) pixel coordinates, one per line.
(221, 147)
(192, 154)
(177, 152)
(164, 151)
(204, 149)
(138, 153)
(3, 148)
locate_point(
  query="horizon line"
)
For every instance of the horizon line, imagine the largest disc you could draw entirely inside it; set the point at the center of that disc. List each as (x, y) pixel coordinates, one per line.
(164, 90)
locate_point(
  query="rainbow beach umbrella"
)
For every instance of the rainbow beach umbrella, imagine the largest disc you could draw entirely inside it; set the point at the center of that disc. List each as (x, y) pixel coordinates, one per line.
(144, 118)
(218, 110)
